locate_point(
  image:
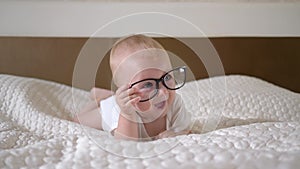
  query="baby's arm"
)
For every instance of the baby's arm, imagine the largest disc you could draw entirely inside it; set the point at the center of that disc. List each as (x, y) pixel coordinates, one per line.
(90, 114)
(127, 125)
(181, 120)
(126, 129)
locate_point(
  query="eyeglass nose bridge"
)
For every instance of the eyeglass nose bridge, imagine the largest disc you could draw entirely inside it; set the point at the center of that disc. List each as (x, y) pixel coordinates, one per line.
(157, 86)
(162, 81)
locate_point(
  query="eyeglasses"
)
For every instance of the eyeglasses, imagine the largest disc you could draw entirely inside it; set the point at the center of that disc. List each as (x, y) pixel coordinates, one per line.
(172, 80)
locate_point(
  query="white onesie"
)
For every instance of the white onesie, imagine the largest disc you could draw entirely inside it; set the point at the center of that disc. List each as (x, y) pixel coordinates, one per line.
(178, 119)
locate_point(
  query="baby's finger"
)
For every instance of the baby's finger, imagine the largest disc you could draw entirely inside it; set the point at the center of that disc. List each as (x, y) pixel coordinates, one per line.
(133, 98)
(129, 93)
(122, 89)
(124, 97)
(123, 94)
(133, 101)
(132, 91)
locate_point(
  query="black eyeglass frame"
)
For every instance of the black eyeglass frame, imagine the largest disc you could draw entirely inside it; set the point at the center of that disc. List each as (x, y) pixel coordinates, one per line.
(161, 79)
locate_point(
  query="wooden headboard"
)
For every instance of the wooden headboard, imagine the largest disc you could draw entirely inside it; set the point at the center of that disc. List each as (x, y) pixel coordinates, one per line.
(273, 59)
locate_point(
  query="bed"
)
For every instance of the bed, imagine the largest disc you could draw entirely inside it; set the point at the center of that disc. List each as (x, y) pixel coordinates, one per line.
(258, 127)
(246, 117)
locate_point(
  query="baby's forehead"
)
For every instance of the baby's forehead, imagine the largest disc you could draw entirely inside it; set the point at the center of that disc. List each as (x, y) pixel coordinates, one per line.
(142, 64)
(151, 71)
(138, 52)
(148, 73)
(152, 56)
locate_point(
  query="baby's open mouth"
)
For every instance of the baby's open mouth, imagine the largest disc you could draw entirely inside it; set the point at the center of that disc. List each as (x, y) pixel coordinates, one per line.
(160, 105)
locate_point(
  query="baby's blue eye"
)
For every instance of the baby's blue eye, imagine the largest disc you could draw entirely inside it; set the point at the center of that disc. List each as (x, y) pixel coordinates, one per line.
(167, 77)
(147, 85)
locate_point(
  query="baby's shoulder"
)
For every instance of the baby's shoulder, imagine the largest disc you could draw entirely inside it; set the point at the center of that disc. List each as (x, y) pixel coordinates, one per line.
(177, 99)
(177, 104)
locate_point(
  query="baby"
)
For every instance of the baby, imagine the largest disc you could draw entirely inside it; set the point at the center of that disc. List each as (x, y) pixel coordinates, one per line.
(145, 106)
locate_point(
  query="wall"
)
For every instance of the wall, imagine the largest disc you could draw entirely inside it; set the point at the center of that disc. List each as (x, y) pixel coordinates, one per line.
(260, 38)
(83, 18)
(275, 60)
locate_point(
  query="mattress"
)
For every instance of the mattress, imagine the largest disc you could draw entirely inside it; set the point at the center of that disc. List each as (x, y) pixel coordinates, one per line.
(238, 122)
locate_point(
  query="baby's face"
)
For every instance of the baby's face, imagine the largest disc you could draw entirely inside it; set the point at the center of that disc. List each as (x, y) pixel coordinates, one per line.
(163, 98)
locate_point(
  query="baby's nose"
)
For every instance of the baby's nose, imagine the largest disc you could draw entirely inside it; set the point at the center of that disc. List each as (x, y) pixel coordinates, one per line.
(162, 89)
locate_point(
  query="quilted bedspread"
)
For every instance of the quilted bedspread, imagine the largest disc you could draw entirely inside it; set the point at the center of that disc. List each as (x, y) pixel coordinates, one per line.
(238, 122)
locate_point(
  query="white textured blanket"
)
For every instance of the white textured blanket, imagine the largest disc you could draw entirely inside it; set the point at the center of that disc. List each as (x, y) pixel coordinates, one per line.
(249, 123)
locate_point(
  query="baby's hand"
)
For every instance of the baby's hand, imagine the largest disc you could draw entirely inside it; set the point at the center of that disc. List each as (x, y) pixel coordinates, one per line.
(127, 100)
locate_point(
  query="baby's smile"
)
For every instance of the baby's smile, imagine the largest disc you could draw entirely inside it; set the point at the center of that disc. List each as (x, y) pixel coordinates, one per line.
(161, 105)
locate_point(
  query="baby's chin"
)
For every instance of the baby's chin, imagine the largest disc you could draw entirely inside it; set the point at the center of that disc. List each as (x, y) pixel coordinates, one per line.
(155, 111)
